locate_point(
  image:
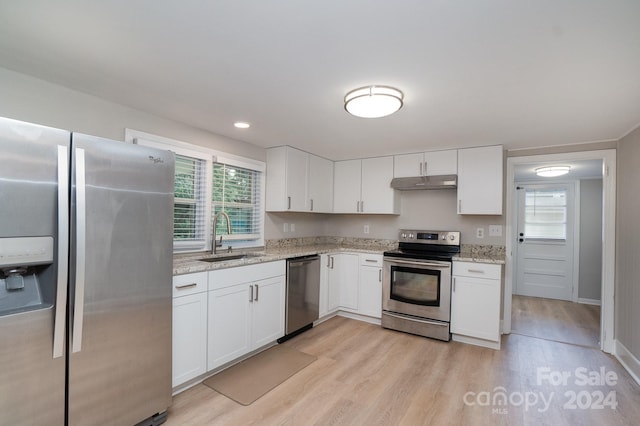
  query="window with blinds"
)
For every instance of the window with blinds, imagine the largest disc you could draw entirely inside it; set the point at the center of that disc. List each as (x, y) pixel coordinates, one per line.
(189, 202)
(546, 214)
(236, 191)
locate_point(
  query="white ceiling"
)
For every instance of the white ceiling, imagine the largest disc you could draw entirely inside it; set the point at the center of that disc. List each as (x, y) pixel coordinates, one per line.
(580, 169)
(474, 72)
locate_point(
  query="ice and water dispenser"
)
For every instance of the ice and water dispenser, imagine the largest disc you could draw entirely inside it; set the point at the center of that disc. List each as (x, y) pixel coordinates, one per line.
(26, 274)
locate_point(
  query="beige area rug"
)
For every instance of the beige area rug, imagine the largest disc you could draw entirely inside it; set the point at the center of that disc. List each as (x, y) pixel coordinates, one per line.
(250, 379)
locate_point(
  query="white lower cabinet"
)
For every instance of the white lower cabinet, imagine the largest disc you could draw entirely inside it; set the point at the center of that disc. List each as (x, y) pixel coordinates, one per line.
(475, 303)
(343, 274)
(370, 287)
(189, 327)
(246, 310)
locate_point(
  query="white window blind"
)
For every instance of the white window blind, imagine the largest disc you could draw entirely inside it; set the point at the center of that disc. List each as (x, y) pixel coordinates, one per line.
(237, 191)
(189, 202)
(546, 214)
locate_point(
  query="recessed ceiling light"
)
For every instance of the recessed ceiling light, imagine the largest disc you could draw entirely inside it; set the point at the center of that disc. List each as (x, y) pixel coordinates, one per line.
(242, 125)
(552, 171)
(373, 101)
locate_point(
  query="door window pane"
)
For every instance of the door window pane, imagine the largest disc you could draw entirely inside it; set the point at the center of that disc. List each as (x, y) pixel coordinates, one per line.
(545, 214)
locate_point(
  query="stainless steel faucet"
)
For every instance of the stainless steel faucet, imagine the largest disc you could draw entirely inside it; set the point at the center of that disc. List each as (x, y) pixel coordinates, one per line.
(215, 243)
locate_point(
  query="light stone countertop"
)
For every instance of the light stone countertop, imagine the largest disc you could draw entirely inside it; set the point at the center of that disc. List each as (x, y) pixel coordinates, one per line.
(481, 254)
(189, 263)
(294, 247)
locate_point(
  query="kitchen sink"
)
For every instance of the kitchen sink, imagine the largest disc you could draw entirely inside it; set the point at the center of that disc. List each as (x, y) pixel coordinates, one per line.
(225, 258)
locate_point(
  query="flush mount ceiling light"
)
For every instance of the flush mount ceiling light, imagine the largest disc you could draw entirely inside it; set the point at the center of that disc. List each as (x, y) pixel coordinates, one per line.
(552, 171)
(242, 125)
(373, 101)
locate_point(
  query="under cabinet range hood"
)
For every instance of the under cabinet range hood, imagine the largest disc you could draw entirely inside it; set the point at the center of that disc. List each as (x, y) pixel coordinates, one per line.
(425, 182)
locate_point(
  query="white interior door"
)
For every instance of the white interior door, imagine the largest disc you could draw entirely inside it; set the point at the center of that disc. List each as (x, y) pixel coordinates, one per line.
(545, 240)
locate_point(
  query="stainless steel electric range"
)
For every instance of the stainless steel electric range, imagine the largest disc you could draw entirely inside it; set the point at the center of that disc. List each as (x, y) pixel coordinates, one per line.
(416, 283)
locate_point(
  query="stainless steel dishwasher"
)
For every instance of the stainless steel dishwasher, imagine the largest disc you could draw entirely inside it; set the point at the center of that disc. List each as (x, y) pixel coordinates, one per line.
(303, 294)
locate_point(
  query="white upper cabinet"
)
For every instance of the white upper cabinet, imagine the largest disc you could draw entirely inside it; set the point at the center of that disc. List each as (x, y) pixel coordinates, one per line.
(480, 182)
(430, 163)
(320, 184)
(362, 186)
(287, 170)
(298, 181)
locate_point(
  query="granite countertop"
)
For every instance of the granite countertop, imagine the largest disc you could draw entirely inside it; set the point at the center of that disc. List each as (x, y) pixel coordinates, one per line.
(481, 254)
(278, 250)
(293, 247)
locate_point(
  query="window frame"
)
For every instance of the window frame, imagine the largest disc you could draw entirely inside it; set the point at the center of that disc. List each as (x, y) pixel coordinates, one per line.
(210, 156)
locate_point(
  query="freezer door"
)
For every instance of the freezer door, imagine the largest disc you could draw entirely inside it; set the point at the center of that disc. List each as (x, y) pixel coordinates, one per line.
(32, 378)
(121, 271)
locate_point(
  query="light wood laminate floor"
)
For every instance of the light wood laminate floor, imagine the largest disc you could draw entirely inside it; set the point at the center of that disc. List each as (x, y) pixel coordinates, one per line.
(366, 375)
(558, 320)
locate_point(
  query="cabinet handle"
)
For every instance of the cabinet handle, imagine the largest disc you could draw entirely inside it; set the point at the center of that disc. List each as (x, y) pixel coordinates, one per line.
(257, 292)
(288, 203)
(454, 284)
(420, 169)
(424, 169)
(459, 206)
(477, 271)
(312, 204)
(328, 261)
(186, 285)
(379, 275)
(361, 206)
(371, 260)
(251, 299)
(331, 262)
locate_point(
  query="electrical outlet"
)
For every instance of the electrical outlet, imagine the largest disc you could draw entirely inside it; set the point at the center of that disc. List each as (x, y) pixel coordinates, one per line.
(366, 229)
(495, 230)
(480, 233)
(285, 227)
(293, 227)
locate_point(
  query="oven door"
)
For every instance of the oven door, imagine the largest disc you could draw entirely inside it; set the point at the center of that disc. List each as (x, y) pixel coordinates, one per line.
(415, 287)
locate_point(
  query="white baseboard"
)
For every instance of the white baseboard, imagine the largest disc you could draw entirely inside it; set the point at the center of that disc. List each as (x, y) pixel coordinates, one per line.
(585, 301)
(359, 317)
(475, 341)
(628, 361)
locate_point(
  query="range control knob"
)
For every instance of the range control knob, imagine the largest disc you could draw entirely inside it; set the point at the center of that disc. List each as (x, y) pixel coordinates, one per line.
(403, 235)
(452, 237)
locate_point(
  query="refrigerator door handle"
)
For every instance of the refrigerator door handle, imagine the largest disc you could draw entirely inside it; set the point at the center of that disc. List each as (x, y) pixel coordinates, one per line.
(63, 252)
(78, 310)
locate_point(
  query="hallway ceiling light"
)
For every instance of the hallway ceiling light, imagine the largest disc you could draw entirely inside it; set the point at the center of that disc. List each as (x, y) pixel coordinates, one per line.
(373, 101)
(552, 171)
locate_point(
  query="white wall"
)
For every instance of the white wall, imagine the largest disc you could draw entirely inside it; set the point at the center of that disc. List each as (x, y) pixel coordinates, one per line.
(590, 273)
(627, 295)
(432, 210)
(29, 99)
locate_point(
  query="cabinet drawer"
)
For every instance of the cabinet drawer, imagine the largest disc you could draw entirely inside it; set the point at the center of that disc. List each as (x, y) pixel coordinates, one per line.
(189, 284)
(245, 274)
(477, 270)
(371, 260)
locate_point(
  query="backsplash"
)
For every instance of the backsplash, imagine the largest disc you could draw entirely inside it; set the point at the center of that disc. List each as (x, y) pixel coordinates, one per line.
(349, 242)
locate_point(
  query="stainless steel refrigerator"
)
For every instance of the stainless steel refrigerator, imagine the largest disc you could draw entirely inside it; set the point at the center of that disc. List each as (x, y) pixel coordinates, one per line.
(85, 278)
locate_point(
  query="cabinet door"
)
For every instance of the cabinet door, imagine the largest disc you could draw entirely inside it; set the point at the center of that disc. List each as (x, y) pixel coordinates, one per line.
(370, 291)
(346, 272)
(475, 308)
(346, 186)
(408, 165)
(229, 324)
(297, 175)
(377, 195)
(333, 282)
(320, 184)
(441, 162)
(268, 311)
(480, 180)
(189, 337)
(325, 262)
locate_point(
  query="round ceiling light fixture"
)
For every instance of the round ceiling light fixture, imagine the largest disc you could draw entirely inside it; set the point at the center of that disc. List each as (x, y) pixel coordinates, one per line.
(373, 101)
(552, 171)
(242, 125)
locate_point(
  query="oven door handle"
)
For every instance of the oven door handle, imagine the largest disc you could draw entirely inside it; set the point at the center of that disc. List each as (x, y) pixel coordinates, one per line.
(417, 263)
